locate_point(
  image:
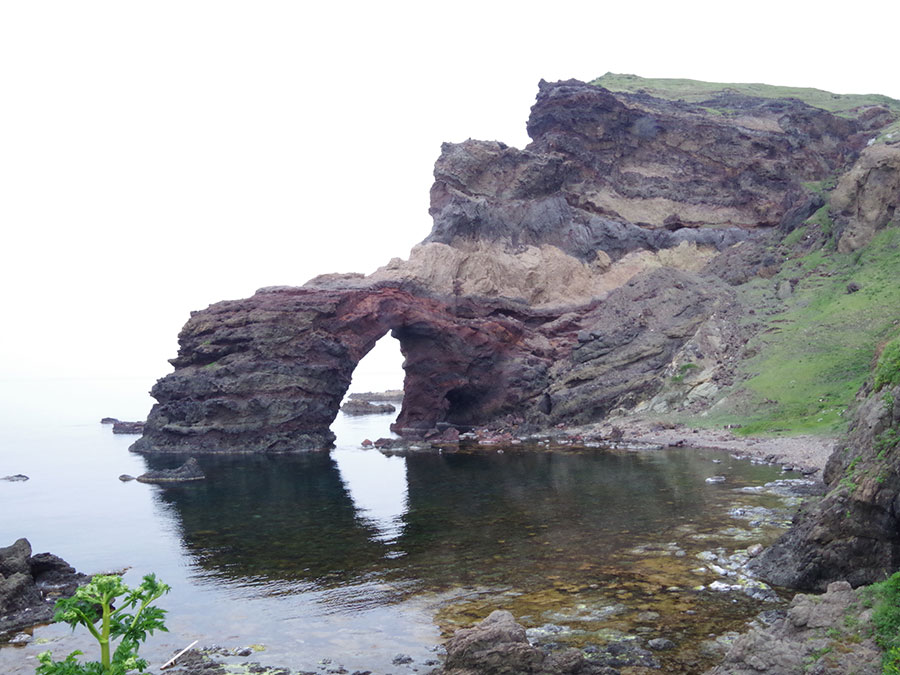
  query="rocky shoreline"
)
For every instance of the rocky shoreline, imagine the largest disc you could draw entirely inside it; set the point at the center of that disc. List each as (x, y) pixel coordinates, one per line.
(802, 451)
(30, 585)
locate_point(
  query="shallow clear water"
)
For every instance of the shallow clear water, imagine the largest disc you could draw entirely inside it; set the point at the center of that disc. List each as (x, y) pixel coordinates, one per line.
(357, 557)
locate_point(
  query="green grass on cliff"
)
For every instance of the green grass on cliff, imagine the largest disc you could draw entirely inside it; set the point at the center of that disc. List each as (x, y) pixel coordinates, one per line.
(818, 345)
(695, 91)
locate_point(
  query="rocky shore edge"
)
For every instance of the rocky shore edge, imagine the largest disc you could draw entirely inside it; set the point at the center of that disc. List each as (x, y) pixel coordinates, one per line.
(30, 585)
(827, 634)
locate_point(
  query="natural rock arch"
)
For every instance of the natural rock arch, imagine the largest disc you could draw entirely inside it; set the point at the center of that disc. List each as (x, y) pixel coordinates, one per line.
(267, 374)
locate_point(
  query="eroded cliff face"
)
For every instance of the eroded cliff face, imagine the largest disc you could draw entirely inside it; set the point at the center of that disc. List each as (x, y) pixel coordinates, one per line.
(560, 282)
(867, 198)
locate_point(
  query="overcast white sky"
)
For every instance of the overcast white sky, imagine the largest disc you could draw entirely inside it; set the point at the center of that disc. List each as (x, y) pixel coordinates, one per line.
(156, 157)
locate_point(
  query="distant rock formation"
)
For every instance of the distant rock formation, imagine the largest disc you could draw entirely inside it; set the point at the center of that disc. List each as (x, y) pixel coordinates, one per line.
(128, 427)
(361, 407)
(561, 282)
(391, 395)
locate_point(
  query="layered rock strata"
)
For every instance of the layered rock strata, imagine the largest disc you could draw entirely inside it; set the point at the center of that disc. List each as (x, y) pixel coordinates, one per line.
(560, 282)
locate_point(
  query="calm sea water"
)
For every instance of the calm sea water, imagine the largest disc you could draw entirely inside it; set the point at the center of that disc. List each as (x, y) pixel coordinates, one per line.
(357, 557)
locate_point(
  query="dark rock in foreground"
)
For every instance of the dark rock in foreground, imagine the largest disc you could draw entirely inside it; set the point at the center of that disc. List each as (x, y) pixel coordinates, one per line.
(187, 472)
(498, 646)
(31, 584)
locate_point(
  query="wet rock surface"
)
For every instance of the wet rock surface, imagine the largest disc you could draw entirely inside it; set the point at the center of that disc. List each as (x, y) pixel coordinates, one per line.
(31, 584)
(186, 473)
(498, 645)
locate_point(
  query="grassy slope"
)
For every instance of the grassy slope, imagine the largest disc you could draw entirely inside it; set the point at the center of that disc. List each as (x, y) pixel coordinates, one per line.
(817, 347)
(695, 91)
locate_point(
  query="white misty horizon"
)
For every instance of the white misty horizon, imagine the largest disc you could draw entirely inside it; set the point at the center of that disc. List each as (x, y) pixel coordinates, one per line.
(160, 158)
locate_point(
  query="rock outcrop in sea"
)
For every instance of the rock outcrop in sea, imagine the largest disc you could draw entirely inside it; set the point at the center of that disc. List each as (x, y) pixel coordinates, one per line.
(31, 584)
(560, 283)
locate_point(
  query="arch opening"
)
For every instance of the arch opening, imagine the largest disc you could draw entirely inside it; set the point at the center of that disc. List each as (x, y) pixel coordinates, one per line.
(372, 399)
(380, 370)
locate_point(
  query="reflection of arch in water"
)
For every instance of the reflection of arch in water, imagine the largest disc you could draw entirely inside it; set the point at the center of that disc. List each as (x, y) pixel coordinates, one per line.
(269, 519)
(518, 517)
(377, 486)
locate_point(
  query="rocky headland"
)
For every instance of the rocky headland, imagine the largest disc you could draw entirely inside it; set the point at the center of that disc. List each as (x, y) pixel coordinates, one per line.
(660, 260)
(560, 283)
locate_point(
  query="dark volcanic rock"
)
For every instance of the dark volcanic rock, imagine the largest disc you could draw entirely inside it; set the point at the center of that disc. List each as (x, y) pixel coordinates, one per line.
(267, 374)
(128, 427)
(187, 472)
(620, 172)
(31, 584)
(853, 533)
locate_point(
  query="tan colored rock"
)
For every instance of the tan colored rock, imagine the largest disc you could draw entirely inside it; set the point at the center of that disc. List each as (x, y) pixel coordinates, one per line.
(540, 275)
(867, 197)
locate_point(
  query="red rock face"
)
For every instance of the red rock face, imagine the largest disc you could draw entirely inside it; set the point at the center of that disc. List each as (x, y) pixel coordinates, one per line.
(267, 374)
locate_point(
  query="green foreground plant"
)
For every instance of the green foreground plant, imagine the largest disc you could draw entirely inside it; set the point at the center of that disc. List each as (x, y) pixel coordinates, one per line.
(92, 607)
(884, 598)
